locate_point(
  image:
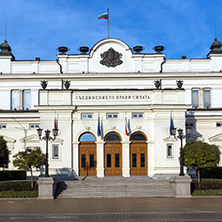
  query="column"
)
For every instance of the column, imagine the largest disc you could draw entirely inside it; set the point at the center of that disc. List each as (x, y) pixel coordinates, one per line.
(126, 158)
(76, 158)
(100, 158)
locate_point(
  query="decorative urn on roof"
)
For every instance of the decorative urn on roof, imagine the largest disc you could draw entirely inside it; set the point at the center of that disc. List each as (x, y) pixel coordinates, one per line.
(159, 49)
(138, 49)
(83, 49)
(62, 50)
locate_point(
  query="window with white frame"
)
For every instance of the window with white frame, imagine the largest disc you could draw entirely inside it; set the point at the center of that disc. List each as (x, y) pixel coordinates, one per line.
(206, 98)
(112, 116)
(20, 99)
(137, 115)
(15, 99)
(195, 98)
(26, 99)
(55, 151)
(169, 150)
(87, 116)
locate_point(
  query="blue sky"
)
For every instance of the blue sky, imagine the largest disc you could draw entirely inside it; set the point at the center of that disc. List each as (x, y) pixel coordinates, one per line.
(37, 28)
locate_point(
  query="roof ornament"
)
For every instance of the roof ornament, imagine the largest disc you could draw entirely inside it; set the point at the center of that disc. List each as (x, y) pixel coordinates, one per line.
(159, 49)
(62, 50)
(138, 49)
(83, 49)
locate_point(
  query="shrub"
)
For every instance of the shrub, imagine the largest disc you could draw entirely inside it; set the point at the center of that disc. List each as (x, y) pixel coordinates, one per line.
(206, 185)
(211, 172)
(12, 175)
(18, 186)
(18, 194)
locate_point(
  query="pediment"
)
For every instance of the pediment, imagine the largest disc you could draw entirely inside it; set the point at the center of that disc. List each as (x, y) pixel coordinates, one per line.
(216, 138)
(30, 139)
(8, 139)
(170, 139)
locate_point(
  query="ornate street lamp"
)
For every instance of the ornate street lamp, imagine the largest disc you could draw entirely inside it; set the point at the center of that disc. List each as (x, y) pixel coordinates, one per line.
(181, 136)
(47, 137)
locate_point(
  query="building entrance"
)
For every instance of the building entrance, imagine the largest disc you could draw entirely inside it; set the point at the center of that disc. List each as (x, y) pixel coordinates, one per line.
(113, 155)
(87, 155)
(138, 155)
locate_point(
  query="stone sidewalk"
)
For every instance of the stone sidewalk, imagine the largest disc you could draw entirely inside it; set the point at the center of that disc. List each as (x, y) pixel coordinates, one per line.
(113, 209)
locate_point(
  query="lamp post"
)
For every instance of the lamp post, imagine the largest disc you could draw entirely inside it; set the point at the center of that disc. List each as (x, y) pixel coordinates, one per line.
(181, 136)
(47, 137)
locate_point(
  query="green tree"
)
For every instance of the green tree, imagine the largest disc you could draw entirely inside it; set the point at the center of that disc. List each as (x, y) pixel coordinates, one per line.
(29, 159)
(4, 153)
(199, 154)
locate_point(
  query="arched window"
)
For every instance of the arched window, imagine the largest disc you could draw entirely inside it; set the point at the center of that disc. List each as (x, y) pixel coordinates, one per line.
(87, 137)
(112, 137)
(138, 136)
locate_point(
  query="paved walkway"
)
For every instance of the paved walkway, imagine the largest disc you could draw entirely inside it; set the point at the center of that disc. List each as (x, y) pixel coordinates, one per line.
(113, 209)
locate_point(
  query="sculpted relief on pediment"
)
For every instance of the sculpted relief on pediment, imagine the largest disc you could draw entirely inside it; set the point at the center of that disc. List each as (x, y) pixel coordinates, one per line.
(111, 58)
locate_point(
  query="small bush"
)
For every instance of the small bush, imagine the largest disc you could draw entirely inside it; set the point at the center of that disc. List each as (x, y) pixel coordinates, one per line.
(18, 186)
(18, 194)
(12, 175)
(207, 193)
(206, 185)
(211, 172)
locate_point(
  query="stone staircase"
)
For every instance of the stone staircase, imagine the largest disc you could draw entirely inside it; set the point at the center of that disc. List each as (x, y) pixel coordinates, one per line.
(109, 187)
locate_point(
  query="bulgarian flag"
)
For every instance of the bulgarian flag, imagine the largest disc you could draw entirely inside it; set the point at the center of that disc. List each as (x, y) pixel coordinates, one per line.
(104, 16)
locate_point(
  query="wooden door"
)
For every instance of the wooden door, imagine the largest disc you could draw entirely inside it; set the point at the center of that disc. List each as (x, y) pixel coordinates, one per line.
(113, 159)
(138, 158)
(87, 159)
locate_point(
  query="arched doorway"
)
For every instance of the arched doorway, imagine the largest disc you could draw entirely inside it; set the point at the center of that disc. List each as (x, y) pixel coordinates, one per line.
(113, 155)
(138, 154)
(87, 155)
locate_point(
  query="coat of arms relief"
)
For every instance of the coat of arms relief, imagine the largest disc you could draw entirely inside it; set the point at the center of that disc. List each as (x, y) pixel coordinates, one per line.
(111, 58)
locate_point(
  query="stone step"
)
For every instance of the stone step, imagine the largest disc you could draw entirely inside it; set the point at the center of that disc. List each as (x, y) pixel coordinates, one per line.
(109, 187)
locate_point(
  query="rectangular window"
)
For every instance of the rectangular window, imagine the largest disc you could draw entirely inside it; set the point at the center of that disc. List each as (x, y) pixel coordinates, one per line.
(112, 116)
(195, 98)
(169, 150)
(15, 100)
(55, 151)
(137, 115)
(91, 157)
(87, 116)
(142, 160)
(83, 161)
(33, 126)
(206, 97)
(116, 160)
(108, 160)
(26, 99)
(134, 160)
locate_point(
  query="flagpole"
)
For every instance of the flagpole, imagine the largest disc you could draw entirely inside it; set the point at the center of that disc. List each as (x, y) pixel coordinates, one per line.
(108, 21)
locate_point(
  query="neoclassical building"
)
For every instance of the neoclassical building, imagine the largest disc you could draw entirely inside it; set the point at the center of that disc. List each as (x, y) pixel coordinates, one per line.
(113, 105)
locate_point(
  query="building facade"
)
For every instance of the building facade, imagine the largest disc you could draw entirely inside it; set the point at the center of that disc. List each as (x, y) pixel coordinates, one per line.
(113, 106)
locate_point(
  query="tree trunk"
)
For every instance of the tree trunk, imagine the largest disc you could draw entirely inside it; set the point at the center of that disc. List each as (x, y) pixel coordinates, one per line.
(31, 179)
(198, 176)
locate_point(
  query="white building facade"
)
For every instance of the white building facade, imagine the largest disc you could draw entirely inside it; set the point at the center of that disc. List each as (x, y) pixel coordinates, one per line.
(113, 87)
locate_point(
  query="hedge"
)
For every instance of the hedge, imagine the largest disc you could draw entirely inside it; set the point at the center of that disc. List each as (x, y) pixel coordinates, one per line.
(18, 186)
(206, 185)
(211, 172)
(12, 175)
